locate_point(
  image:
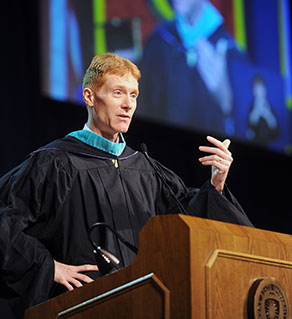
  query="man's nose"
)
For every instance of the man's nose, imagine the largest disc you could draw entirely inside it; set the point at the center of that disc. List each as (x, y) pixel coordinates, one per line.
(128, 102)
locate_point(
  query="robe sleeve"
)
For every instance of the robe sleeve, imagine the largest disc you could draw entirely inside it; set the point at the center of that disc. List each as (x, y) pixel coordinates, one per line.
(206, 202)
(209, 203)
(30, 195)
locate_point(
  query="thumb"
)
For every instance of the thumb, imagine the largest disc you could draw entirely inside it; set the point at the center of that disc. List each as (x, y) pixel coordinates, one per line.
(226, 143)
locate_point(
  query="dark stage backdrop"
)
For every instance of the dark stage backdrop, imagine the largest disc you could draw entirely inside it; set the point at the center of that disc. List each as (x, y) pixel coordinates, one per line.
(260, 179)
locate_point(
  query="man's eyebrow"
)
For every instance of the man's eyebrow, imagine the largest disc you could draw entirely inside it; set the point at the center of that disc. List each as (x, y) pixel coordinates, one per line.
(121, 86)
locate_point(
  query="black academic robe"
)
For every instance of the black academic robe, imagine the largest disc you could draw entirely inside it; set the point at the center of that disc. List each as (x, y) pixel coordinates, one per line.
(50, 200)
(173, 91)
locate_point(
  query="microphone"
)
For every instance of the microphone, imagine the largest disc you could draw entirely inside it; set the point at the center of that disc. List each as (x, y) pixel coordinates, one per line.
(105, 260)
(178, 203)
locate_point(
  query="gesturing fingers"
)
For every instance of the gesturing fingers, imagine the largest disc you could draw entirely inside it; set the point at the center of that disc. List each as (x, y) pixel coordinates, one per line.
(216, 161)
(222, 145)
(221, 148)
(220, 157)
(218, 153)
(226, 143)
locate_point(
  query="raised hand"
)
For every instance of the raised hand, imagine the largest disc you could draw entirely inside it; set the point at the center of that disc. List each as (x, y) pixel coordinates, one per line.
(220, 160)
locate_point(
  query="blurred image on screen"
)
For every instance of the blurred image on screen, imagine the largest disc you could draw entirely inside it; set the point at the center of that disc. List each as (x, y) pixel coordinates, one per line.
(219, 67)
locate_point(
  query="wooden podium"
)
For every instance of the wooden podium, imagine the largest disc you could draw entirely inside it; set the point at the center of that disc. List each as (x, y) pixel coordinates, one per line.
(188, 267)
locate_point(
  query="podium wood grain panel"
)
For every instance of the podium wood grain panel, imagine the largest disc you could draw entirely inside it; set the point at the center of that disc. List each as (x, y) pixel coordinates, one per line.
(199, 261)
(228, 278)
(128, 301)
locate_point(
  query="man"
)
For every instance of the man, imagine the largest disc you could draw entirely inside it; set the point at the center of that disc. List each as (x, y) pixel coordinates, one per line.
(197, 48)
(50, 200)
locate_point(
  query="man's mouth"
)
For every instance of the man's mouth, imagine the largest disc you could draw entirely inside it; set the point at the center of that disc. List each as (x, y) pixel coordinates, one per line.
(124, 116)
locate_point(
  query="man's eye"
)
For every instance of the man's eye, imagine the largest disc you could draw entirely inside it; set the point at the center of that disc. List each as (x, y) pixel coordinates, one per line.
(117, 92)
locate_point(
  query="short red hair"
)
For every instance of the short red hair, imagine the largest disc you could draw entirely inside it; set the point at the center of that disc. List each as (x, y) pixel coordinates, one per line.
(108, 63)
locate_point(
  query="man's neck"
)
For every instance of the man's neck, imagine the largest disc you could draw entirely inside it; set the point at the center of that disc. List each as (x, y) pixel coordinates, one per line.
(116, 139)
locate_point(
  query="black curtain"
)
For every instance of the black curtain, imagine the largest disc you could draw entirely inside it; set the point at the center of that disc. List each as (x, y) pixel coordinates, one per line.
(18, 81)
(260, 179)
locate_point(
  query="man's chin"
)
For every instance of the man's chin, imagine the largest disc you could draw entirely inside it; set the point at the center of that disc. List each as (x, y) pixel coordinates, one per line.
(124, 129)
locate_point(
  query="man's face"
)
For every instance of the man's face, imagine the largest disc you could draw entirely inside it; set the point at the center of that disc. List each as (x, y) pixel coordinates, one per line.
(113, 105)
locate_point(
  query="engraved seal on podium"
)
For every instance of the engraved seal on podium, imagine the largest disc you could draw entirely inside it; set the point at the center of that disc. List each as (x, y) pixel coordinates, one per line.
(267, 300)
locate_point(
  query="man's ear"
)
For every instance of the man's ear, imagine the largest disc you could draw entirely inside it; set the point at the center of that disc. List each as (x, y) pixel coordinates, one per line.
(88, 97)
